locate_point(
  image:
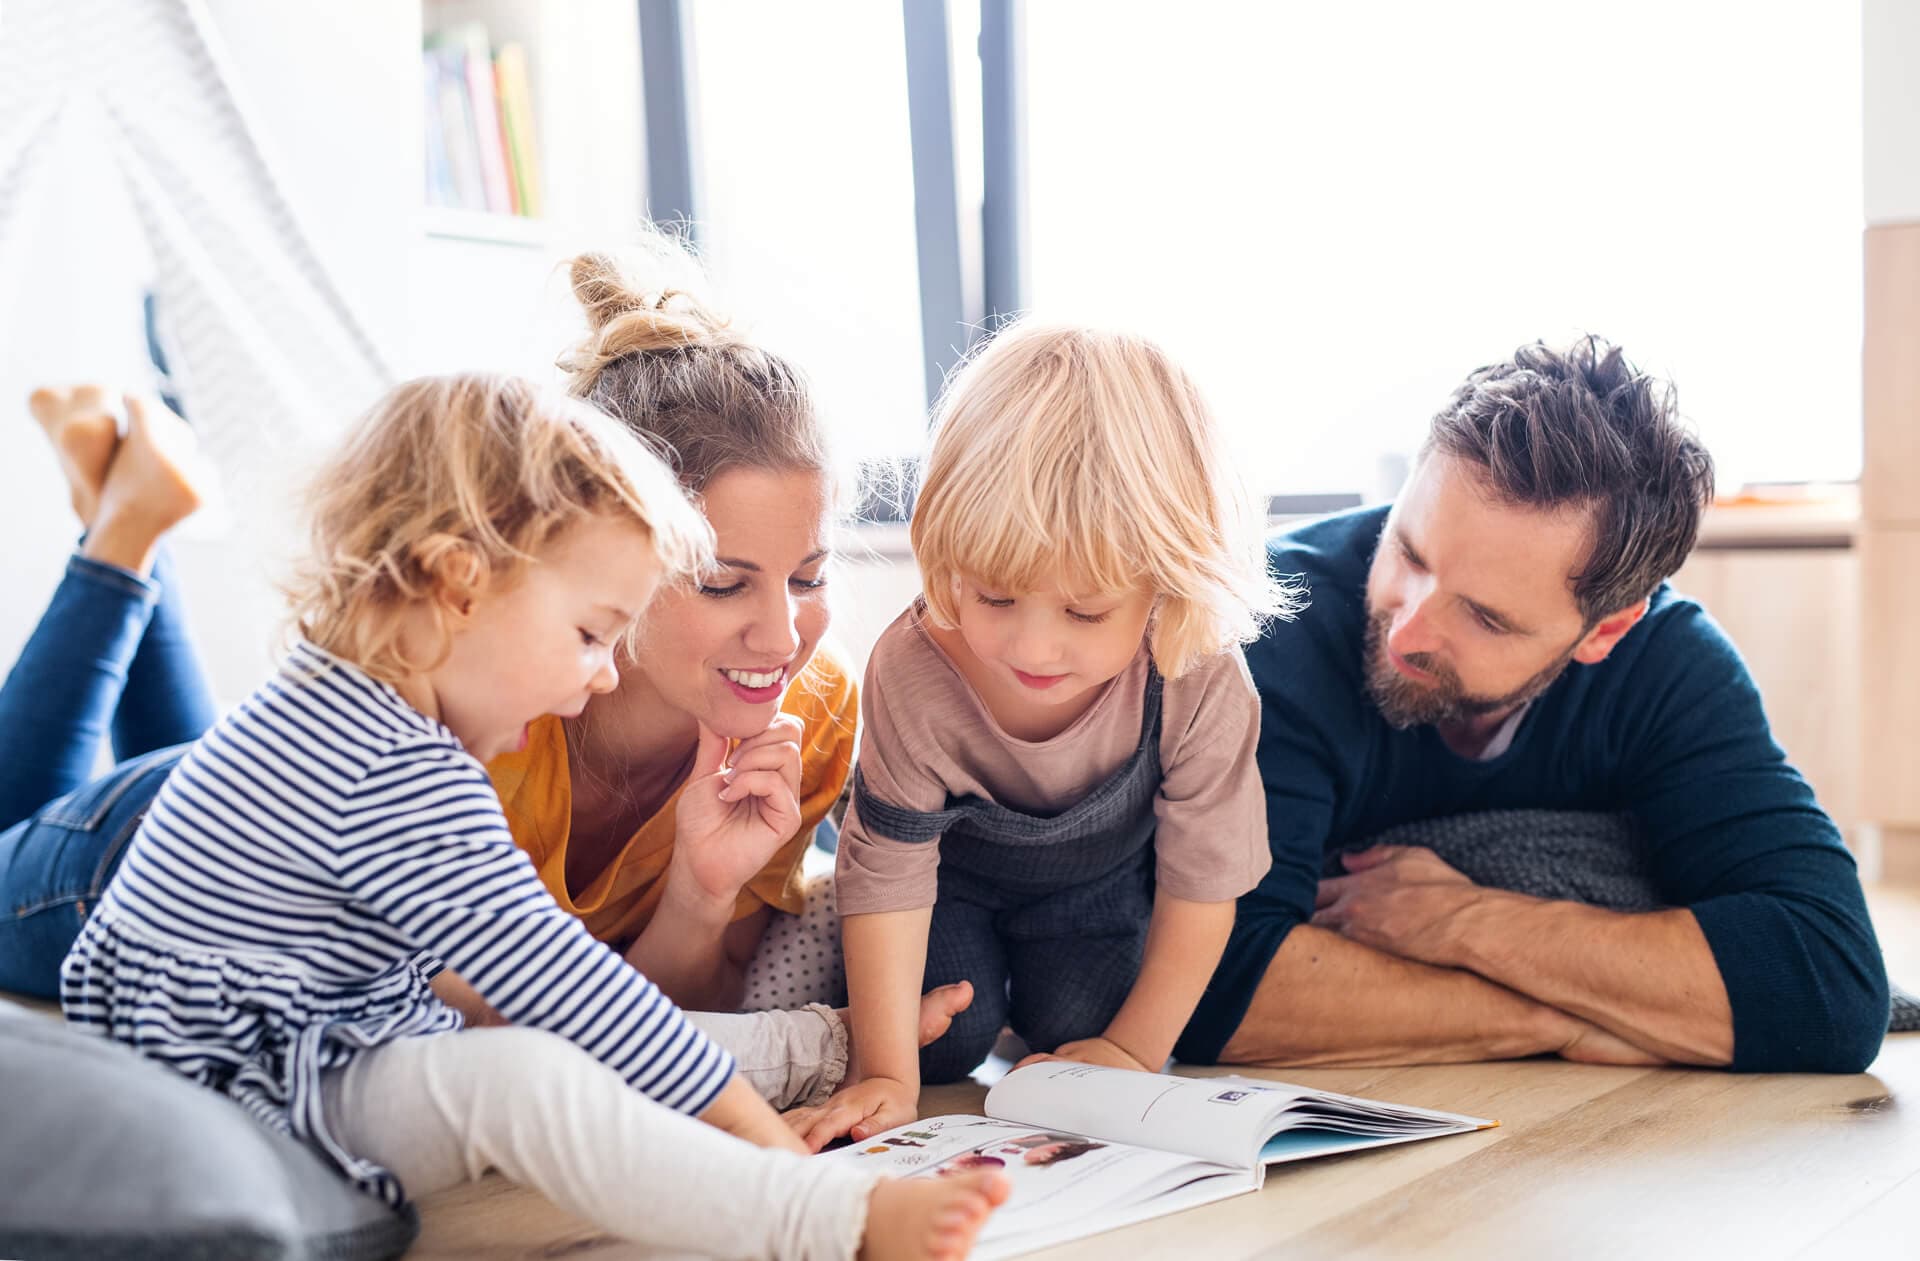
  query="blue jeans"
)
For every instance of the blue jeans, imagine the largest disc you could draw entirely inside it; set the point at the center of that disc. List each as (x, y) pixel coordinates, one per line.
(111, 658)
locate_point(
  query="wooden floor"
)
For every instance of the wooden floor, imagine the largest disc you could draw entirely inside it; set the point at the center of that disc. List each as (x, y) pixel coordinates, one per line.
(1588, 1162)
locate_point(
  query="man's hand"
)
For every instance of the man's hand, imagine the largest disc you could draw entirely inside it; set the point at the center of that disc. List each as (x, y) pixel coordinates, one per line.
(735, 812)
(1091, 1051)
(859, 1111)
(1401, 899)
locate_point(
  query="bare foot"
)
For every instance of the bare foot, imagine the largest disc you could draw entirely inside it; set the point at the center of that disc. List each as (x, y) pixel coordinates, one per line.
(153, 485)
(935, 1219)
(84, 433)
(938, 1007)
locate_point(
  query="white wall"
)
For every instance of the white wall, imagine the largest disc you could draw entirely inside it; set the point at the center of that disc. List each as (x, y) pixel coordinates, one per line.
(1890, 38)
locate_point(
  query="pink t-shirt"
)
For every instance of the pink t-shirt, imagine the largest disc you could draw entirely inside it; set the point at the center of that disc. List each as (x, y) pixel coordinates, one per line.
(927, 736)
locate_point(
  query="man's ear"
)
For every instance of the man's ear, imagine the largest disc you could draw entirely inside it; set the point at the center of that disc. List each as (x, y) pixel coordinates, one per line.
(1599, 642)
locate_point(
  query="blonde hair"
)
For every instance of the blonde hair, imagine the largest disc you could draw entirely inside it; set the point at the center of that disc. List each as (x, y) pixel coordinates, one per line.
(660, 359)
(1067, 453)
(454, 482)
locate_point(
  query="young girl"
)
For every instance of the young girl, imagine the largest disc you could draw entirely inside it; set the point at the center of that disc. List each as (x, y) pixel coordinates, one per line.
(1056, 797)
(480, 549)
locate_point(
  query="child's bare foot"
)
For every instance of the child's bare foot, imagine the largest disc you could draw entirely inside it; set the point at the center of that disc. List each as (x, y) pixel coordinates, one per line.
(153, 485)
(936, 1219)
(84, 433)
(938, 1007)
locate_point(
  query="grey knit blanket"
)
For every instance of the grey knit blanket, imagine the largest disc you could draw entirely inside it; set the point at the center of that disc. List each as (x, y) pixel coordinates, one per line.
(1599, 859)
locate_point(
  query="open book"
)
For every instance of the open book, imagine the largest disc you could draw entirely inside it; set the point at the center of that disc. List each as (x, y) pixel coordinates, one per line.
(1092, 1149)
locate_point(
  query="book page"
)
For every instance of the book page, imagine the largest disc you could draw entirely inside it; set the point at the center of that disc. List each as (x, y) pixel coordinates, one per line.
(1224, 1120)
(1064, 1185)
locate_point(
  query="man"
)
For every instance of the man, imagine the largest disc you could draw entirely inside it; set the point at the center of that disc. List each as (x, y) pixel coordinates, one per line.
(1504, 639)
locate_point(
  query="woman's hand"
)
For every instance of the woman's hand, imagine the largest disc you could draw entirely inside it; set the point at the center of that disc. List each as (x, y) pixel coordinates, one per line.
(735, 812)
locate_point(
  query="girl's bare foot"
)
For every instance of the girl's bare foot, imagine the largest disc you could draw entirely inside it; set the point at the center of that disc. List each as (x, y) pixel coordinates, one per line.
(935, 1219)
(84, 433)
(153, 485)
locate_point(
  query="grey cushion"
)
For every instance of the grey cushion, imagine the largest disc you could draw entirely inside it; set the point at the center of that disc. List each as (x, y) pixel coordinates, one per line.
(105, 1155)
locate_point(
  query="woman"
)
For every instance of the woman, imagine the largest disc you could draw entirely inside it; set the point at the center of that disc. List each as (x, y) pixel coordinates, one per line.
(598, 802)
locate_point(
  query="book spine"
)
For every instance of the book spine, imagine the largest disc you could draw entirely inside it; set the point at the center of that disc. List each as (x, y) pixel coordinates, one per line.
(486, 123)
(516, 91)
(463, 150)
(440, 190)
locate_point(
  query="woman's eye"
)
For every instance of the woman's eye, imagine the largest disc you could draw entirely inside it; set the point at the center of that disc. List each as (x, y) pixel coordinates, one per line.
(810, 584)
(721, 593)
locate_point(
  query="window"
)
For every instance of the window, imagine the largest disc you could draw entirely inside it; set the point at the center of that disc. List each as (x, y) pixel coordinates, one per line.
(806, 207)
(1333, 212)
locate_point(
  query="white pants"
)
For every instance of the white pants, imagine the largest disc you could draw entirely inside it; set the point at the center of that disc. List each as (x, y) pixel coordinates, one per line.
(446, 1108)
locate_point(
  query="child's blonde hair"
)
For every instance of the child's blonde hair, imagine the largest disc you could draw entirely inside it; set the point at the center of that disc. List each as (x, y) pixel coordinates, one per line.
(453, 482)
(1072, 454)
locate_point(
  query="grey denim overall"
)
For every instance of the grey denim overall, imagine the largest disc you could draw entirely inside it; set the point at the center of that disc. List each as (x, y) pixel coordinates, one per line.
(1046, 916)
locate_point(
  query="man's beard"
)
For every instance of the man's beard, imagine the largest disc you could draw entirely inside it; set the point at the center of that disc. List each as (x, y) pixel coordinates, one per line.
(1405, 703)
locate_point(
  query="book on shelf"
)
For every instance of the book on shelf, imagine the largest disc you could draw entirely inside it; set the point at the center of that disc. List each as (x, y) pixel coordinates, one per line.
(516, 125)
(1092, 1149)
(481, 153)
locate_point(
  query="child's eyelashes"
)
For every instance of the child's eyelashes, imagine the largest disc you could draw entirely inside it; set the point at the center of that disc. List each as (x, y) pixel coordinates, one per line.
(590, 639)
(1006, 602)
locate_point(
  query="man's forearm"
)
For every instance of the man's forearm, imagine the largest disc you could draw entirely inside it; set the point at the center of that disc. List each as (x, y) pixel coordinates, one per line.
(1327, 1000)
(1649, 978)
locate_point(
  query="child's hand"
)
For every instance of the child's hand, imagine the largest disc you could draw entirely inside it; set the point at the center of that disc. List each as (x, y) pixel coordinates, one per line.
(739, 1111)
(859, 1111)
(1091, 1051)
(735, 813)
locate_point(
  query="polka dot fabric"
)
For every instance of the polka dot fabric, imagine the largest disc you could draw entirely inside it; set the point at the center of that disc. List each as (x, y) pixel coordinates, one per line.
(799, 959)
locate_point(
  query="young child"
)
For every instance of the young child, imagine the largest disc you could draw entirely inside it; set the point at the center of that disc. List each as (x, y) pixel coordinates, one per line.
(1056, 797)
(479, 550)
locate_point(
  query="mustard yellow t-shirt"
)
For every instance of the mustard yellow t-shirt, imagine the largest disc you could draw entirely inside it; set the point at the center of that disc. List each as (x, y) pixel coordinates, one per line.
(536, 792)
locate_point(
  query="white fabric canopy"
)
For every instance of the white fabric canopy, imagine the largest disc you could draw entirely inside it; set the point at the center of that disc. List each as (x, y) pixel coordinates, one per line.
(265, 351)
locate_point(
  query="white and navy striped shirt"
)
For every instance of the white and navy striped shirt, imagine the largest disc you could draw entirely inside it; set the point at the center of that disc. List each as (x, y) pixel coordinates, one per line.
(302, 874)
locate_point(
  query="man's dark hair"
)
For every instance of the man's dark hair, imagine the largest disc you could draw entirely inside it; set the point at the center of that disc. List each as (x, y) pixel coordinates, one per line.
(1583, 427)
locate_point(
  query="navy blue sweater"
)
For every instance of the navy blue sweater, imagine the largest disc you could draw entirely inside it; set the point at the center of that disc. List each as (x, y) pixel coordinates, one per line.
(1669, 727)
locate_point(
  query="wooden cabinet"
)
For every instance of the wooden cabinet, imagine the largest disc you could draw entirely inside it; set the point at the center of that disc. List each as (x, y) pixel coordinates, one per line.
(1794, 615)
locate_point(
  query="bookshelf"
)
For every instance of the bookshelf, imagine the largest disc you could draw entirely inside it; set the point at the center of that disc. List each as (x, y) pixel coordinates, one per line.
(487, 288)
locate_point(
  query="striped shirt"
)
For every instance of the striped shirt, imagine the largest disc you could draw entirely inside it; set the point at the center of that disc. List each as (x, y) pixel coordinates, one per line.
(310, 864)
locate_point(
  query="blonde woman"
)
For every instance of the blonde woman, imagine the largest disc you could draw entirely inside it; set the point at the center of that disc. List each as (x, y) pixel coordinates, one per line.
(1057, 798)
